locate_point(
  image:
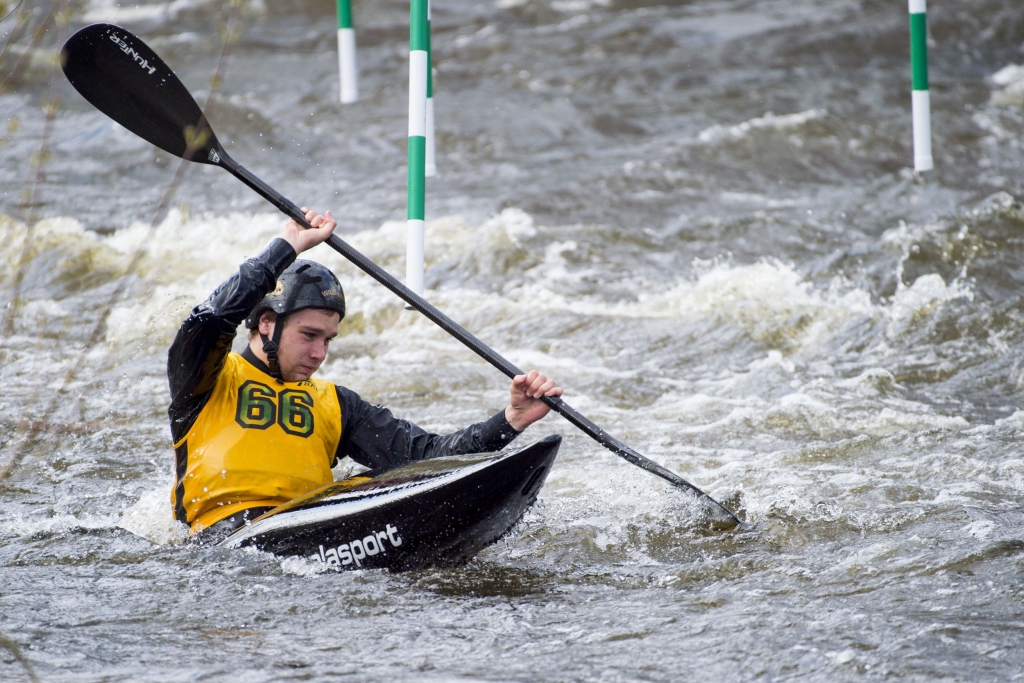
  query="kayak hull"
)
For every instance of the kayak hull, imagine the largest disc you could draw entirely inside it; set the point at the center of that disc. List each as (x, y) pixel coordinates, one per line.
(434, 513)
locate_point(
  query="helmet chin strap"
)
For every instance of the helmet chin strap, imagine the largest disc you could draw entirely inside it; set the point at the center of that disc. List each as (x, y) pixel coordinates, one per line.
(271, 347)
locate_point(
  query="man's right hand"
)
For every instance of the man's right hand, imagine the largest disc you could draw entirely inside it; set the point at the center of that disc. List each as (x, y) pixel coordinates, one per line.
(527, 405)
(302, 238)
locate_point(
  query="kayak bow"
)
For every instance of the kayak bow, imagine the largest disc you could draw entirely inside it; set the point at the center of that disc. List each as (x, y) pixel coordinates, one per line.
(433, 513)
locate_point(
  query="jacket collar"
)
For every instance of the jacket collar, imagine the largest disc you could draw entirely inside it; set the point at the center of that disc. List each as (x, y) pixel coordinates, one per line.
(251, 358)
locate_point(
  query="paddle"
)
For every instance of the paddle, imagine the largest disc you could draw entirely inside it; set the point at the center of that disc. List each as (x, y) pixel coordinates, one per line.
(123, 78)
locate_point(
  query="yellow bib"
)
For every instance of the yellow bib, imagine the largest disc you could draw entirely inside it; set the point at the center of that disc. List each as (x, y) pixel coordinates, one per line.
(257, 442)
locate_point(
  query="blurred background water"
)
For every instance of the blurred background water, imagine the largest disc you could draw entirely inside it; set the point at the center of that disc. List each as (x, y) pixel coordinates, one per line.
(700, 216)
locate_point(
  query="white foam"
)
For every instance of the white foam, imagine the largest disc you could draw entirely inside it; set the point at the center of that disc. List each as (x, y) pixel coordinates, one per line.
(302, 566)
(762, 298)
(149, 322)
(760, 200)
(183, 259)
(1010, 82)
(1015, 421)
(196, 254)
(980, 530)
(908, 417)
(63, 233)
(910, 305)
(574, 6)
(193, 245)
(1011, 73)
(872, 382)
(770, 121)
(18, 525)
(112, 11)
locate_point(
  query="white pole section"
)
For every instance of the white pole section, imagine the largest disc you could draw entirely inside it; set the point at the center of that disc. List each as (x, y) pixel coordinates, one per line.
(347, 53)
(920, 98)
(418, 65)
(431, 163)
(430, 167)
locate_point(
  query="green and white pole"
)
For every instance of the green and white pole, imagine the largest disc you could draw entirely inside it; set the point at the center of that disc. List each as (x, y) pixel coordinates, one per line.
(347, 53)
(431, 164)
(418, 65)
(921, 102)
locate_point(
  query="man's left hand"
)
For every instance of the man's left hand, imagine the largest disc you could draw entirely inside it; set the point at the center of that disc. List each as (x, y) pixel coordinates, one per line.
(526, 406)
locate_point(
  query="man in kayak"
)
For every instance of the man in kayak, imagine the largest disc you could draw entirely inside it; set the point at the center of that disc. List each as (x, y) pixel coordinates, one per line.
(254, 430)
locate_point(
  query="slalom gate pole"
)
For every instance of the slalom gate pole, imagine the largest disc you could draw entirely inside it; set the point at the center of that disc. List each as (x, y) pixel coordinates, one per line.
(347, 71)
(418, 74)
(431, 163)
(921, 100)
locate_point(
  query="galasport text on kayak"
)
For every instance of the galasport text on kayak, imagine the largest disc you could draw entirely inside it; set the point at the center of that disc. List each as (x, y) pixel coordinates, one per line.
(355, 551)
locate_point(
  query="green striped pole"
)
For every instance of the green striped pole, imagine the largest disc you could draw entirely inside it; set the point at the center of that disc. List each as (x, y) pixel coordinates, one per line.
(418, 60)
(347, 53)
(431, 164)
(921, 100)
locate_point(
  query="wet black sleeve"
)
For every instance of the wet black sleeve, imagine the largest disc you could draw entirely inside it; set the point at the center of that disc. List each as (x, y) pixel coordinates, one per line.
(204, 339)
(375, 438)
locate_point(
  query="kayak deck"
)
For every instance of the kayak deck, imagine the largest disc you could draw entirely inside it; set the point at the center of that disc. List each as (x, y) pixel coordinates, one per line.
(432, 513)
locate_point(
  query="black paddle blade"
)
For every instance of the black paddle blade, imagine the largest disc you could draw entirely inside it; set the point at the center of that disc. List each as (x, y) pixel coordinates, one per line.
(123, 78)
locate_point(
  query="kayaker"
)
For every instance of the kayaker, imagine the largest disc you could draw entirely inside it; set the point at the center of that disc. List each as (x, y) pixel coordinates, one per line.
(254, 430)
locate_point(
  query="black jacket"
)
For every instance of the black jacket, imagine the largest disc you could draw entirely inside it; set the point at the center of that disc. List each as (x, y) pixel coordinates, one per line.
(370, 434)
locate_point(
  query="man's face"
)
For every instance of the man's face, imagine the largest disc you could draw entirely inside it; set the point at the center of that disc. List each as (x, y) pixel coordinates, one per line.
(304, 341)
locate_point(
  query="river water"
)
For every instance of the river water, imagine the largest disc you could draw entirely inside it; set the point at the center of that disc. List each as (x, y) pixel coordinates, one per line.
(700, 216)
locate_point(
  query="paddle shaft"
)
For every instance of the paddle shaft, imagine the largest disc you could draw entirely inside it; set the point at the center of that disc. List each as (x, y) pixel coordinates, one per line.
(291, 210)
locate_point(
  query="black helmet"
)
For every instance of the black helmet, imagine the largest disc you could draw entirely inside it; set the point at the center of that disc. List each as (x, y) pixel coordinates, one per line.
(304, 284)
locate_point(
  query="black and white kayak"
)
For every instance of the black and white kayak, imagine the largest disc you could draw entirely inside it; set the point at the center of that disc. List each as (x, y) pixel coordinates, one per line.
(434, 513)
